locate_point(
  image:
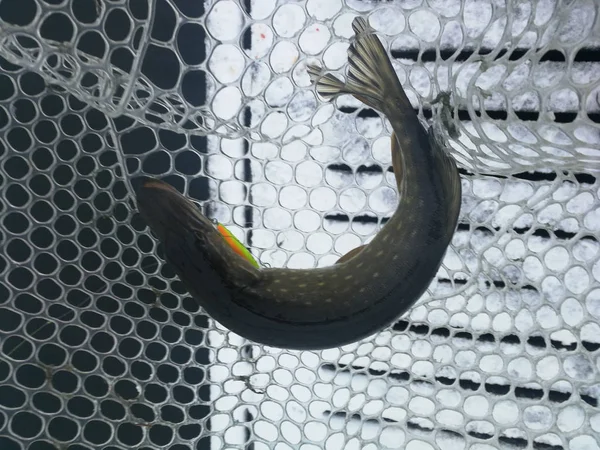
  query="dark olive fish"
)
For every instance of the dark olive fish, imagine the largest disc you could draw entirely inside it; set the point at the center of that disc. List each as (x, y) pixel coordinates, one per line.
(370, 287)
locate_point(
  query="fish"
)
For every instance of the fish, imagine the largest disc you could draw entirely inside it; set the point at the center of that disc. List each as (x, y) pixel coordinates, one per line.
(368, 288)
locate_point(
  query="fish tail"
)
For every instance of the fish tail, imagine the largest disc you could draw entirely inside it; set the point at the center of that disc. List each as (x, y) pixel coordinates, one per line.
(371, 77)
(328, 86)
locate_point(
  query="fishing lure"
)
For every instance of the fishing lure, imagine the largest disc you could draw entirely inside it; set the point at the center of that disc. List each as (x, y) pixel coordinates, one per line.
(370, 287)
(236, 245)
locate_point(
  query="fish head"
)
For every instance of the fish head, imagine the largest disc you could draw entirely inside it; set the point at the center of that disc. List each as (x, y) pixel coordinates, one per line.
(166, 211)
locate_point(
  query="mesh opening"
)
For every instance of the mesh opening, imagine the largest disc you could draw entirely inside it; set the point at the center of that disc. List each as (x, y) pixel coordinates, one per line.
(102, 348)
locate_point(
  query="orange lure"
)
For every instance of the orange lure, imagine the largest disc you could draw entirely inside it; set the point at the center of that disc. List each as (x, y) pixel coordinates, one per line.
(236, 245)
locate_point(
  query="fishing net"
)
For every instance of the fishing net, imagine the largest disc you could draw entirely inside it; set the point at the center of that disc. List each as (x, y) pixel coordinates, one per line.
(100, 346)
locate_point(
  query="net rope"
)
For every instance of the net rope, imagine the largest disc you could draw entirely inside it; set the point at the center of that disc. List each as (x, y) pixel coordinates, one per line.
(100, 346)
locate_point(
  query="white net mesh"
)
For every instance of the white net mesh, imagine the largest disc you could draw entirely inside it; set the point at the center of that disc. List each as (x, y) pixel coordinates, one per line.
(502, 352)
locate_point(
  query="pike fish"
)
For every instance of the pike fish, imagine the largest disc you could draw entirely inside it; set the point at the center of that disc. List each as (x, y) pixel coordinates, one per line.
(368, 288)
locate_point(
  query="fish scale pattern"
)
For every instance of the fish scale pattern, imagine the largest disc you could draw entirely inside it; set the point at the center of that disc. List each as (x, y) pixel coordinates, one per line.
(100, 345)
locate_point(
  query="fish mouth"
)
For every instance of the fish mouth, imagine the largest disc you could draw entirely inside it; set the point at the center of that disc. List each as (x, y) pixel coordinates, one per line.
(165, 209)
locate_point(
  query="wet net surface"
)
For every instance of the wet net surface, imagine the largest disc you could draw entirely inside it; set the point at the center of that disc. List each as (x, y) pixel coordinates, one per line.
(502, 352)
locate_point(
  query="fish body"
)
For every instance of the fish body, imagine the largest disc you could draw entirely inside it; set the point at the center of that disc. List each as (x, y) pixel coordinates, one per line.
(369, 288)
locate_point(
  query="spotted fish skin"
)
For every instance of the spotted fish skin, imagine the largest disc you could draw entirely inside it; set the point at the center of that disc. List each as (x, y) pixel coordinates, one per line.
(366, 291)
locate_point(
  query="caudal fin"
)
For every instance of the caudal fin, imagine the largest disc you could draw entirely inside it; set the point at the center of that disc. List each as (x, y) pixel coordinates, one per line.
(328, 86)
(371, 77)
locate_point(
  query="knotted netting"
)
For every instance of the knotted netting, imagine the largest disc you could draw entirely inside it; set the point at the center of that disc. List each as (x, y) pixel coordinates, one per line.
(102, 348)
